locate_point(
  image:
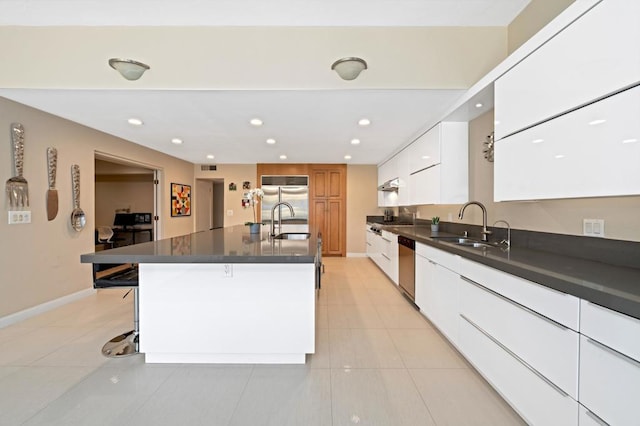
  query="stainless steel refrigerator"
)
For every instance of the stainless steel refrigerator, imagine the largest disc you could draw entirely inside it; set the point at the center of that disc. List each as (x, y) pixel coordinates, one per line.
(291, 189)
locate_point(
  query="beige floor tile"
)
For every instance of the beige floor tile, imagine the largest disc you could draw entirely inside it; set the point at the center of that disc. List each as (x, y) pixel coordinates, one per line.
(386, 296)
(322, 316)
(363, 348)
(461, 397)
(382, 397)
(322, 357)
(30, 347)
(347, 296)
(399, 316)
(280, 396)
(353, 316)
(425, 348)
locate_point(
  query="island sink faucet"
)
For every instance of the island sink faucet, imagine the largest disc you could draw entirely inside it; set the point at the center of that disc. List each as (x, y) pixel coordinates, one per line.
(485, 232)
(273, 212)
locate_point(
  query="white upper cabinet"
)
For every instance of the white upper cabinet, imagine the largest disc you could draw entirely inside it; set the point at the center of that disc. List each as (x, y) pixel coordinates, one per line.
(596, 55)
(591, 152)
(425, 151)
(387, 171)
(445, 179)
(402, 167)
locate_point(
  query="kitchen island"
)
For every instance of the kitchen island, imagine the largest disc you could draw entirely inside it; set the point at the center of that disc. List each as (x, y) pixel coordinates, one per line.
(223, 296)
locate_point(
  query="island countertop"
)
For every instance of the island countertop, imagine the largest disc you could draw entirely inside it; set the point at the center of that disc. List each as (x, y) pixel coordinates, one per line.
(224, 245)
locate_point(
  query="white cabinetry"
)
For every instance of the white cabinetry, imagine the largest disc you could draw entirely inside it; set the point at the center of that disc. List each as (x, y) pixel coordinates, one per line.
(591, 152)
(386, 172)
(402, 168)
(609, 364)
(383, 250)
(439, 165)
(594, 56)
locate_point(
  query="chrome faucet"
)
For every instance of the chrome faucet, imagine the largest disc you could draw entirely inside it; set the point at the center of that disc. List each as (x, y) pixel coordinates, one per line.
(273, 221)
(485, 232)
(508, 240)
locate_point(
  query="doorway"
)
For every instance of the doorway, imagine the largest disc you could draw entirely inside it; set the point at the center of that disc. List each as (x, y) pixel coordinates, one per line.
(209, 204)
(129, 189)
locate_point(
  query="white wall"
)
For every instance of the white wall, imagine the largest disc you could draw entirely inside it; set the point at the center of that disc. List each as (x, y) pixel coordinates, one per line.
(40, 262)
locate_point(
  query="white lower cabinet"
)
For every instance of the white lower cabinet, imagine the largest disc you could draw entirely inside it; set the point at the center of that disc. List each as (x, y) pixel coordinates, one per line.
(533, 397)
(383, 250)
(425, 282)
(588, 418)
(540, 342)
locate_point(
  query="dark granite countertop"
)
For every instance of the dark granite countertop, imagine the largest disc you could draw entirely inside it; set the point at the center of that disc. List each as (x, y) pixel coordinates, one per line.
(225, 245)
(616, 287)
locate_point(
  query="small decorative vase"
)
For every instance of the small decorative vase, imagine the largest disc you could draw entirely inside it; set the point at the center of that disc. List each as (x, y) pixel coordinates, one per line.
(254, 228)
(434, 228)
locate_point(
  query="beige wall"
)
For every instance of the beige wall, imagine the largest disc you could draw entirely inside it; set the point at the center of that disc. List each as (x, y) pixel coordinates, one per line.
(236, 173)
(362, 201)
(536, 15)
(621, 214)
(126, 192)
(40, 262)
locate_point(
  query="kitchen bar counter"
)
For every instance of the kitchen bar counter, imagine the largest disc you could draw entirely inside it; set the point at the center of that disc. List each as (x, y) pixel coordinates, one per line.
(612, 286)
(223, 296)
(225, 245)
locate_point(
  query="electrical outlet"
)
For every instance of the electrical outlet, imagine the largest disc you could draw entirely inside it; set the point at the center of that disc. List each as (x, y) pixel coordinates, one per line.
(19, 217)
(228, 270)
(229, 212)
(593, 227)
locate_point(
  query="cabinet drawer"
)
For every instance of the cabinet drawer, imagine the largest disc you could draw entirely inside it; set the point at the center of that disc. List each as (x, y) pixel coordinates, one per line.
(550, 348)
(448, 260)
(591, 152)
(587, 418)
(594, 56)
(609, 383)
(560, 307)
(537, 401)
(618, 331)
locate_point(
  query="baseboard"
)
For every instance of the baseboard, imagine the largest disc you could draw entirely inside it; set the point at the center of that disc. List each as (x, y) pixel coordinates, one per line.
(44, 307)
(356, 254)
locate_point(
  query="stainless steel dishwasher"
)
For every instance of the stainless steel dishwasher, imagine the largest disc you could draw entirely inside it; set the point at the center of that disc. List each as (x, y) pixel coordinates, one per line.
(407, 266)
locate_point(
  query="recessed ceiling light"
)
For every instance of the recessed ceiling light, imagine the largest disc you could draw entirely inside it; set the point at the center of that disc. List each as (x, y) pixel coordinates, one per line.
(596, 122)
(283, 157)
(256, 122)
(479, 105)
(176, 141)
(495, 123)
(425, 157)
(633, 140)
(537, 141)
(210, 156)
(271, 141)
(347, 157)
(355, 141)
(364, 122)
(559, 156)
(135, 122)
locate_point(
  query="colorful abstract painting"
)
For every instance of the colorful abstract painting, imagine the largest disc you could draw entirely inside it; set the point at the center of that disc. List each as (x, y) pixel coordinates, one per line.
(180, 200)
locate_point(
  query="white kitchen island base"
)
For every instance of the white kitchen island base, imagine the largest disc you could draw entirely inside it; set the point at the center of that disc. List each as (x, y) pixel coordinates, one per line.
(241, 313)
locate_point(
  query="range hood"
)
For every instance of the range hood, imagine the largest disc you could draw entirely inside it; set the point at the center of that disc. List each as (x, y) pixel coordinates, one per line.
(390, 185)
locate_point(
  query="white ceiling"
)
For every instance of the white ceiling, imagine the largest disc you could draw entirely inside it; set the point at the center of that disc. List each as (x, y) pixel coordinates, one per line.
(309, 125)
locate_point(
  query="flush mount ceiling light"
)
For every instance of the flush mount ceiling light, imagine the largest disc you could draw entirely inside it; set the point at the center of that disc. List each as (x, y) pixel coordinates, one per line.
(349, 68)
(128, 68)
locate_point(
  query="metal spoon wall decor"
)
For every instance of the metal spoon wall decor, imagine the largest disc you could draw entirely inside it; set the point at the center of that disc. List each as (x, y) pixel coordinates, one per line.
(78, 218)
(489, 148)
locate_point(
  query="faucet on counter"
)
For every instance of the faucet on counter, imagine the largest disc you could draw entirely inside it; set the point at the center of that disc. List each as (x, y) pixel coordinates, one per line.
(508, 240)
(273, 212)
(485, 232)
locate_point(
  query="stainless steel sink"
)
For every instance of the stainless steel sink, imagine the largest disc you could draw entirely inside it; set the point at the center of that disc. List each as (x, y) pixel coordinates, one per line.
(293, 236)
(467, 242)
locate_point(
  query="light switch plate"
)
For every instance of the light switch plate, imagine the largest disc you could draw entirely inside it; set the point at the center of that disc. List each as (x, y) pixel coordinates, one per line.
(593, 227)
(19, 217)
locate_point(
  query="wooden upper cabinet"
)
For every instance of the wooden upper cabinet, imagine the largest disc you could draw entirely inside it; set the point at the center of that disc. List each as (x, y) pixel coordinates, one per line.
(328, 201)
(328, 183)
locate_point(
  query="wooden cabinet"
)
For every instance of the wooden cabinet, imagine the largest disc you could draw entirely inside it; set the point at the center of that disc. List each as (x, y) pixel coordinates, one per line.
(591, 152)
(594, 56)
(327, 203)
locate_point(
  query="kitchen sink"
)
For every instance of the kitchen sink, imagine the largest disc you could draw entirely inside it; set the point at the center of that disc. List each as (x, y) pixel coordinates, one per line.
(464, 241)
(293, 236)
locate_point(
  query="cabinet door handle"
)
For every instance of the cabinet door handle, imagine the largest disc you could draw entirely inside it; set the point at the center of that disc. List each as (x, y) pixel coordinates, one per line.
(431, 262)
(386, 239)
(516, 357)
(596, 418)
(614, 352)
(385, 256)
(368, 244)
(516, 304)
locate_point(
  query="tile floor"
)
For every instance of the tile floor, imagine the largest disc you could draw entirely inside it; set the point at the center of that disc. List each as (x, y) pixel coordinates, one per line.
(377, 362)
